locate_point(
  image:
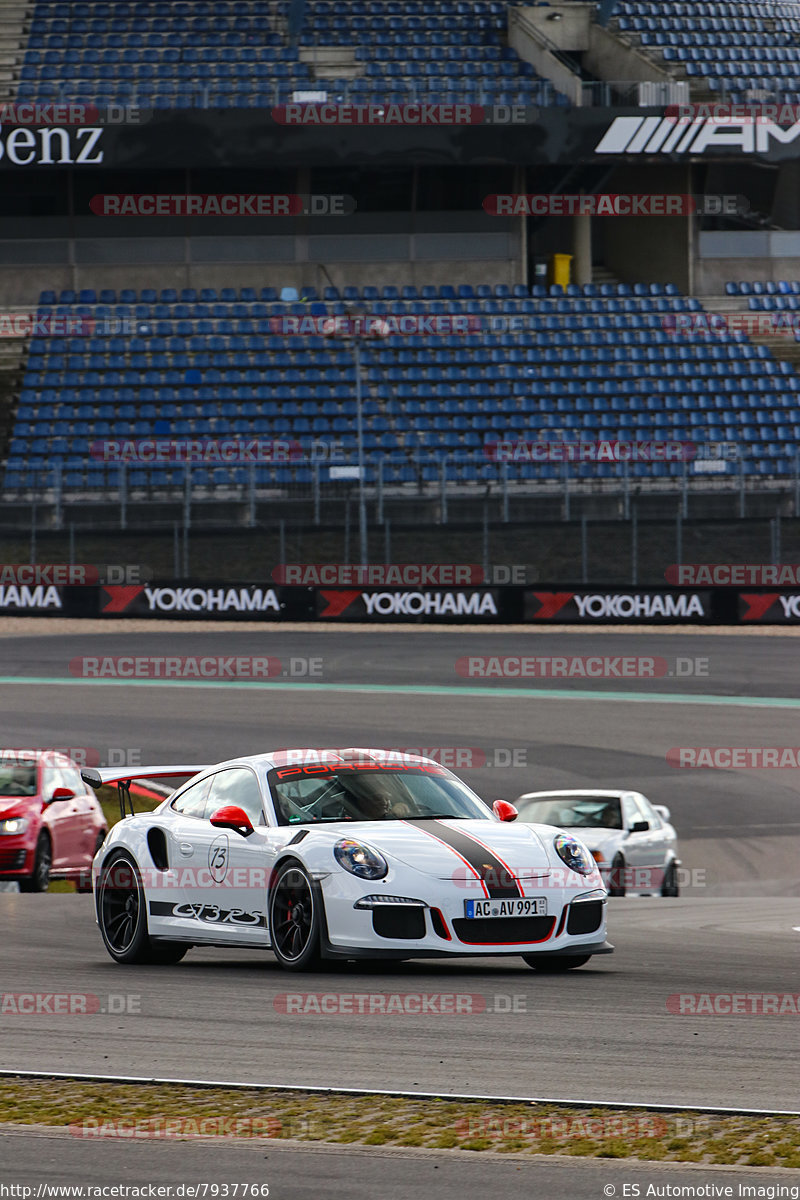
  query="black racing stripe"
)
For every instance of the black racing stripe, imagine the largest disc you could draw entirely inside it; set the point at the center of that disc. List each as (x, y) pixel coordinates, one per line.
(500, 884)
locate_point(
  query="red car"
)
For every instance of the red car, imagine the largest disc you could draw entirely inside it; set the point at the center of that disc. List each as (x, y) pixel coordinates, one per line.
(51, 824)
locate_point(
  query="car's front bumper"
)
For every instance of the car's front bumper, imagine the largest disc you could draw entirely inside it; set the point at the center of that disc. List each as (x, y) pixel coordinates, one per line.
(642, 881)
(379, 952)
(16, 858)
(438, 927)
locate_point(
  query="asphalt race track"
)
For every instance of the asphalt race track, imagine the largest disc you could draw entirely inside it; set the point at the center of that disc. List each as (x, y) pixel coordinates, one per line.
(311, 1172)
(737, 828)
(600, 1033)
(603, 1032)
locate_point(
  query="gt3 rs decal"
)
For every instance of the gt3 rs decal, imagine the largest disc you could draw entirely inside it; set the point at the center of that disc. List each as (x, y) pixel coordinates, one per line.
(211, 914)
(497, 879)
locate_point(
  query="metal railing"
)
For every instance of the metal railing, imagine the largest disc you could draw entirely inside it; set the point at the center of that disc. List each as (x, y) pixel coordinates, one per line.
(720, 469)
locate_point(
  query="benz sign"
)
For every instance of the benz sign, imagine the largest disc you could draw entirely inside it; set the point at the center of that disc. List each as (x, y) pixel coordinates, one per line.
(54, 145)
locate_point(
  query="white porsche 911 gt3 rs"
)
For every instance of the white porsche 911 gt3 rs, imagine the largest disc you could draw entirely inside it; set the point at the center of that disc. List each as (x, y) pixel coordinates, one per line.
(349, 854)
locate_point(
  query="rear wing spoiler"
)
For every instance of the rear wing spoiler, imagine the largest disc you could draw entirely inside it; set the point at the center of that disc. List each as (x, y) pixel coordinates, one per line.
(99, 776)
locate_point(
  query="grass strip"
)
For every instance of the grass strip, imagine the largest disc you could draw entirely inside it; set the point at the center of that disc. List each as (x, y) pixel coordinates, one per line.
(182, 1112)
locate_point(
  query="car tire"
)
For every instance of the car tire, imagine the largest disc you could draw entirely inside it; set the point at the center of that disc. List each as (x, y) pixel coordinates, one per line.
(164, 954)
(669, 884)
(84, 881)
(122, 915)
(39, 880)
(555, 964)
(616, 876)
(294, 907)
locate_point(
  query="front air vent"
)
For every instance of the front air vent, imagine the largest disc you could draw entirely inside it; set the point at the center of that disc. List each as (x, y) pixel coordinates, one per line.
(503, 931)
(586, 917)
(399, 921)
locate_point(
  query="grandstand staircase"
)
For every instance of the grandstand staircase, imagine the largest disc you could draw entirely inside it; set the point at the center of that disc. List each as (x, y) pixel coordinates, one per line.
(782, 348)
(407, 443)
(13, 357)
(331, 62)
(326, 62)
(698, 89)
(785, 349)
(15, 17)
(602, 275)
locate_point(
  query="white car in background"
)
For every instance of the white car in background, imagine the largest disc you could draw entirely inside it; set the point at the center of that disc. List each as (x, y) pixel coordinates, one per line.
(632, 840)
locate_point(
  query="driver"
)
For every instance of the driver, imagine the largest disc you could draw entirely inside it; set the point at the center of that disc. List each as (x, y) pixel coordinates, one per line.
(379, 806)
(376, 806)
(20, 781)
(610, 818)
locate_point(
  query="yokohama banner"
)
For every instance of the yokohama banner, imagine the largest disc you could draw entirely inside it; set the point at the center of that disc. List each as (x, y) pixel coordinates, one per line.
(548, 604)
(769, 607)
(208, 601)
(633, 606)
(457, 605)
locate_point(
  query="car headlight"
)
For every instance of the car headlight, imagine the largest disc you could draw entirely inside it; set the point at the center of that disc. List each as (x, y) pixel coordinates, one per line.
(574, 854)
(13, 825)
(360, 860)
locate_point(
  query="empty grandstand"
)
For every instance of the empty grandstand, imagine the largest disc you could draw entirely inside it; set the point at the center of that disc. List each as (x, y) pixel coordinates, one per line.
(565, 328)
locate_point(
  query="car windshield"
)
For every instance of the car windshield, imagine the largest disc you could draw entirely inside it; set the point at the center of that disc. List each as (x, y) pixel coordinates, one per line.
(323, 792)
(17, 779)
(577, 812)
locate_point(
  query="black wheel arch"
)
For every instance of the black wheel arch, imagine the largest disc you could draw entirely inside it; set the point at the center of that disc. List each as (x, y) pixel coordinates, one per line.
(292, 860)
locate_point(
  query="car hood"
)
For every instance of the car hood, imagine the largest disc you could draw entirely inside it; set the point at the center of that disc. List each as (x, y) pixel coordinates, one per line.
(438, 848)
(599, 838)
(16, 806)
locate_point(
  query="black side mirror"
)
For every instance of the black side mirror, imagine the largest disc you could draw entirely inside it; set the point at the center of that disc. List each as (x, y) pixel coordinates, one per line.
(639, 827)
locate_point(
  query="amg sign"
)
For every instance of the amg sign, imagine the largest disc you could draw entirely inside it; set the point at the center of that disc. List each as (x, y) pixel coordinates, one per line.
(673, 135)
